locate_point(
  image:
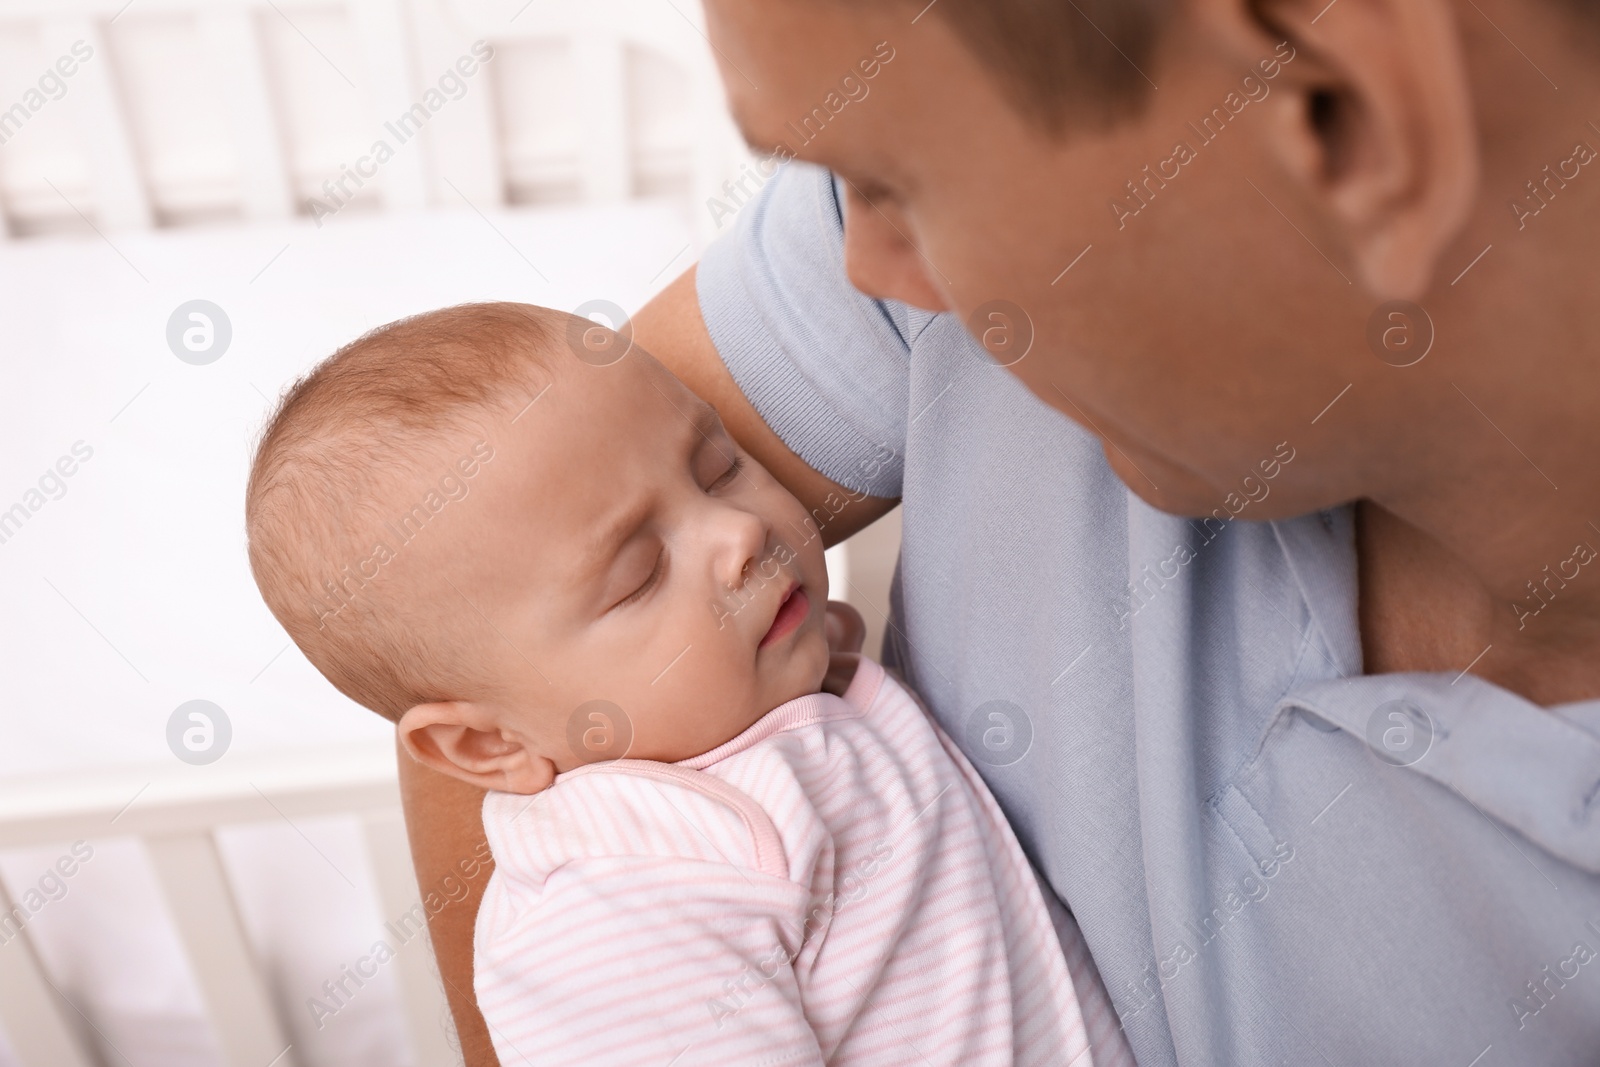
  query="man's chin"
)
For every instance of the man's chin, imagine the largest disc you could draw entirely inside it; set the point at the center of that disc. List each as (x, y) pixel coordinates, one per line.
(1184, 494)
(1162, 485)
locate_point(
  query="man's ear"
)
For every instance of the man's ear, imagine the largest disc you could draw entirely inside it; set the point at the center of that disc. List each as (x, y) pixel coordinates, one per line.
(1377, 123)
(461, 739)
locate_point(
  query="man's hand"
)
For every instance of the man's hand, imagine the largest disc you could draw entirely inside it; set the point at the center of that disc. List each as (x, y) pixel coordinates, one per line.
(846, 632)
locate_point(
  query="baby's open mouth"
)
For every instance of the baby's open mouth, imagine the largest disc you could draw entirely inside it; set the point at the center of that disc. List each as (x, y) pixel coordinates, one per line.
(791, 613)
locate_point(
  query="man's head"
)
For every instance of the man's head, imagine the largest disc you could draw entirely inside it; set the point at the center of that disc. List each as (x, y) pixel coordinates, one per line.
(528, 560)
(1200, 207)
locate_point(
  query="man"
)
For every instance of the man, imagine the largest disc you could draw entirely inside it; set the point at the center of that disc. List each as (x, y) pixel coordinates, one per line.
(1319, 780)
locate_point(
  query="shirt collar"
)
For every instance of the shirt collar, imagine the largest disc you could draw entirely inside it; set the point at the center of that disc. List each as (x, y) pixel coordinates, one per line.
(1321, 551)
(1534, 769)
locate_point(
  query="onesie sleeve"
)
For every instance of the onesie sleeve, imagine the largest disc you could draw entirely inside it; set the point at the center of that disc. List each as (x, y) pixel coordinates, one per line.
(827, 367)
(639, 919)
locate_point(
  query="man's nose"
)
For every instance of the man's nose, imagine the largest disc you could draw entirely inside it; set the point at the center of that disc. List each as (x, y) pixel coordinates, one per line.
(880, 260)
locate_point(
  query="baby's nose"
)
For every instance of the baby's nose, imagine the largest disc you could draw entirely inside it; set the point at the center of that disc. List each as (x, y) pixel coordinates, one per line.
(744, 540)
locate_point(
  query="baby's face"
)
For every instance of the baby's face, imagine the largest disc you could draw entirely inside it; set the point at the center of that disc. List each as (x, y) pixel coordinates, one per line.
(620, 548)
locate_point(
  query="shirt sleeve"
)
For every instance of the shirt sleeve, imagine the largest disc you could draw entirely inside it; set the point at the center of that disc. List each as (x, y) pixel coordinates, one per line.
(826, 366)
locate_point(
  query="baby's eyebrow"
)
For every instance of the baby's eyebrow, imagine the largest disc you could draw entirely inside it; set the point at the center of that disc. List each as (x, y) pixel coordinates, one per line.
(705, 420)
(602, 548)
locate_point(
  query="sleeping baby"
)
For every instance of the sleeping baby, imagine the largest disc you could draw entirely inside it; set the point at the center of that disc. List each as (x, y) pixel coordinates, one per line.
(568, 585)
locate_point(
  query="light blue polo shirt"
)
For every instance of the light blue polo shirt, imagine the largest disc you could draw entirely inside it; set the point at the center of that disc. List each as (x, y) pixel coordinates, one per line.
(1273, 858)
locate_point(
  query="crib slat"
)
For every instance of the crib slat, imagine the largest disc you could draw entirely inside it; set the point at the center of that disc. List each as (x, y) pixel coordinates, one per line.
(230, 39)
(240, 1009)
(462, 142)
(427, 1015)
(605, 161)
(380, 30)
(34, 1016)
(121, 201)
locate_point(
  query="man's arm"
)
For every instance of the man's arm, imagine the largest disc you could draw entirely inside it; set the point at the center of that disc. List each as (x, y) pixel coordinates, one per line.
(445, 825)
(671, 328)
(443, 815)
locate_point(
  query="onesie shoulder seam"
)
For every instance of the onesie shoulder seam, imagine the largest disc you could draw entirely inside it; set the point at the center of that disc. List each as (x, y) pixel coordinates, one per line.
(766, 844)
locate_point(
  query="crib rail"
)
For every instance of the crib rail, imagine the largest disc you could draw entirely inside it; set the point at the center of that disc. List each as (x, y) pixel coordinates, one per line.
(176, 811)
(181, 112)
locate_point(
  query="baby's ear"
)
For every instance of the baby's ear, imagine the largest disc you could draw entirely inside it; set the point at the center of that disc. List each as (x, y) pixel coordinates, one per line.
(463, 740)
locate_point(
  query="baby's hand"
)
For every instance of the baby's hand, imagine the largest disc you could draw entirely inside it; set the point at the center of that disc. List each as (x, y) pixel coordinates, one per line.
(845, 632)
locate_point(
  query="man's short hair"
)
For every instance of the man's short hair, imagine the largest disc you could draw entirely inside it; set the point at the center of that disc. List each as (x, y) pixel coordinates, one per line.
(351, 448)
(1067, 64)
(1064, 64)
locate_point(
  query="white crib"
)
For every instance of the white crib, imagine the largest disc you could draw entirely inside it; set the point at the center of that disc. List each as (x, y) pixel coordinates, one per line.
(176, 811)
(193, 111)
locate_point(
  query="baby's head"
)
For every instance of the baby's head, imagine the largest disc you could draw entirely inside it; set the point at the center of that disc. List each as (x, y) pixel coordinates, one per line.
(527, 560)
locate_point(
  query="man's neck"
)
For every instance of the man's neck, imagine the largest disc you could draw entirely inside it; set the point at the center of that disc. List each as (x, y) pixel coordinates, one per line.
(1423, 609)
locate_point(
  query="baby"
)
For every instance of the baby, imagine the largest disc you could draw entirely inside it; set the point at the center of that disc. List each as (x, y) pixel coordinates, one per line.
(528, 544)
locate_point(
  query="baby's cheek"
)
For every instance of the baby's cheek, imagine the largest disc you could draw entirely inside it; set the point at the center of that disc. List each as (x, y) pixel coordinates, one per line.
(813, 563)
(813, 659)
(725, 661)
(727, 699)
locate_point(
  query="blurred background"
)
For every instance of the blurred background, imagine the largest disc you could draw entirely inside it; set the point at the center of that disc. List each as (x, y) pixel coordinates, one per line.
(201, 855)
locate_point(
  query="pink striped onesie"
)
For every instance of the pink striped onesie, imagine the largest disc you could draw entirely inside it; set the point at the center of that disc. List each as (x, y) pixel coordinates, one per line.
(833, 886)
